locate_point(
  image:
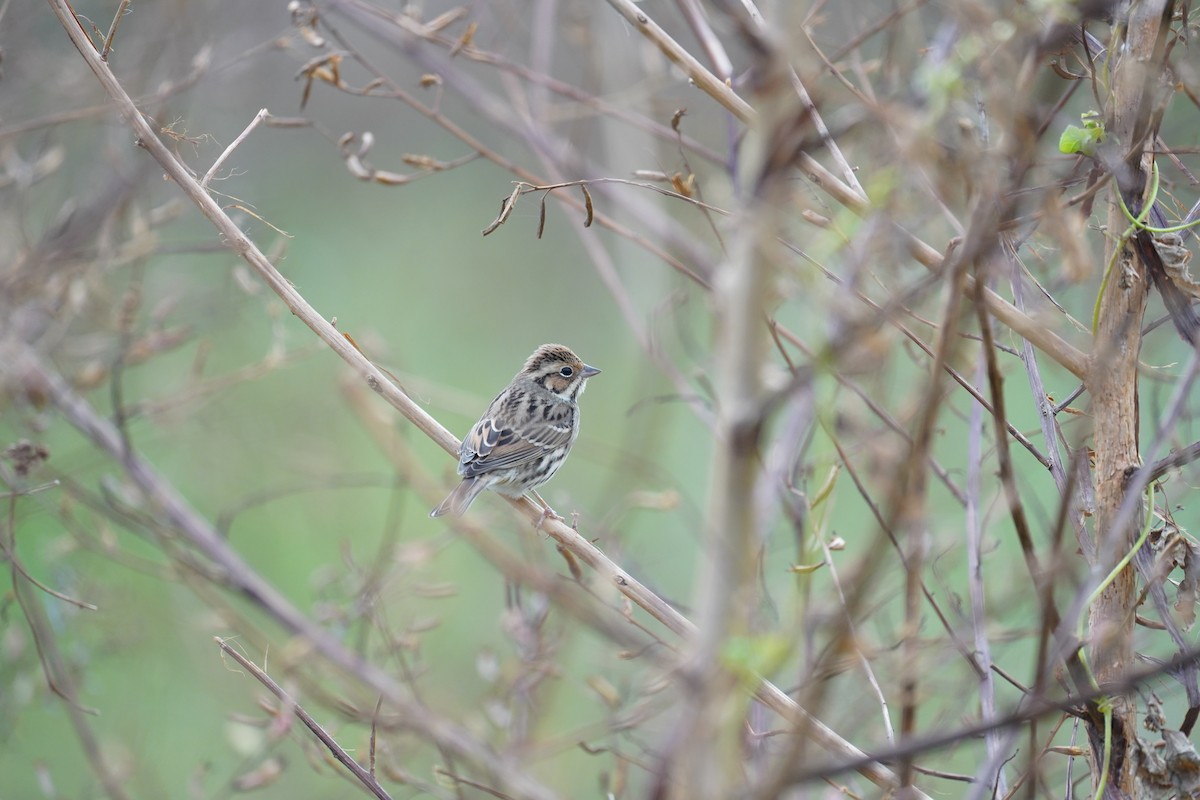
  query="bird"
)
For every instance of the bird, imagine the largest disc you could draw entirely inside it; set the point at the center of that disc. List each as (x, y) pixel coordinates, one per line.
(526, 433)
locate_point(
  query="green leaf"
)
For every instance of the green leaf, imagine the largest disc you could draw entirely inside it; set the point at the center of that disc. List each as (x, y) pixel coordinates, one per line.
(1082, 140)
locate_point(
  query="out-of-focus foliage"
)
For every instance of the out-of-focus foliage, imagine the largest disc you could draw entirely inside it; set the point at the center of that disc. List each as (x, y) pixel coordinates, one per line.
(884, 585)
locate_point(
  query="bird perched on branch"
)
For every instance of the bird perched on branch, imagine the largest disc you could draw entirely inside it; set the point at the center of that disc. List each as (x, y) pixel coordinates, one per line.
(526, 433)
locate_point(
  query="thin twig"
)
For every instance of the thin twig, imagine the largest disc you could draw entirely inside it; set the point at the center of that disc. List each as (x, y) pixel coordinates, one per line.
(975, 586)
(112, 30)
(364, 777)
(262, 114)
(1177, 459)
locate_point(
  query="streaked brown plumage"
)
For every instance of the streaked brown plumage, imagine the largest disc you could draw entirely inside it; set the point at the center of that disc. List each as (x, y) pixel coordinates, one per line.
(526, 433)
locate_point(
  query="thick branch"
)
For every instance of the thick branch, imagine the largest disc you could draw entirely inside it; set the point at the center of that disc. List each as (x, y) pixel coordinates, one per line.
(1113, 378)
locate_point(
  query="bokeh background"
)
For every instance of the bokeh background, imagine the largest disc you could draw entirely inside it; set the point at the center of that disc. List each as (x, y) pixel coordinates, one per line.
(251, 419)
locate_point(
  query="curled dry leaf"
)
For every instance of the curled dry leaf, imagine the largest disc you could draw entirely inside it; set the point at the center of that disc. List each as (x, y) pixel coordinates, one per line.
(1175, 257)
(385, 178)
(1175, 549)
(506, 208)
(587, 205)
(323, 68)
(684, 186)
(1185, 597)
(359, 167)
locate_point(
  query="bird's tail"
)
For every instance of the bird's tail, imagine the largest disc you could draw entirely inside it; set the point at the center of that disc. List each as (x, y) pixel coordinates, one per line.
(460, 499)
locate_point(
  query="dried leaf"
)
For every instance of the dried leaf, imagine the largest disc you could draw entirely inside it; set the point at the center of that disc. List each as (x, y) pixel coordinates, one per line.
(423, 162)
(321, 68)
(681, 185)
(357, 168)
(350, 339)
(1175, 256)
(506, 208)
(587, 205)
(572, 563)
(466, 39)
(541, 217)
(1175, 549)
(1185, 598)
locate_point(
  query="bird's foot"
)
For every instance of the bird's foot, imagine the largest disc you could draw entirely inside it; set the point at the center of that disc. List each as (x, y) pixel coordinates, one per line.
(547, 512)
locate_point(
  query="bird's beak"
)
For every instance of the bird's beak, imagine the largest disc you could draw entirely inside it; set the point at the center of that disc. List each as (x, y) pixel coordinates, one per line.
(589, 371)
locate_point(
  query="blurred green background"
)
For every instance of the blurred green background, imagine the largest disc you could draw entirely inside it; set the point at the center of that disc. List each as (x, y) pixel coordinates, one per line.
(249, 420)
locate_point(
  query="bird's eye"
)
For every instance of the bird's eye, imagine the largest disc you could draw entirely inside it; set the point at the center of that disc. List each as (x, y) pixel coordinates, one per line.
(566, 372)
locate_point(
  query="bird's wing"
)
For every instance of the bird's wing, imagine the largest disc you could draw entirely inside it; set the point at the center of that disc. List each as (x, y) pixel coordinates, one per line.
(492, 445)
